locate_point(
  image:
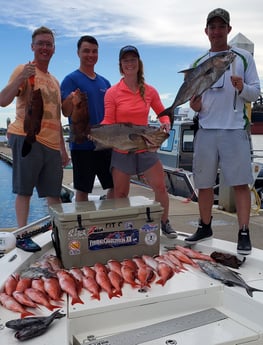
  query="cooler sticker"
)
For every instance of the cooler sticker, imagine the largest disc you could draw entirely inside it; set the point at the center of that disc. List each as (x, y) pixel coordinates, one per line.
(151, 238)
(128, 225)
(76, 233)
(74, 247)
(113, 239)
(150, 227)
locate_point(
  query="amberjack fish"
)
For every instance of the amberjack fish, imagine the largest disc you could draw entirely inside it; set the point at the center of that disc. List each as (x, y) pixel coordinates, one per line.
(225, 275)
(198, 79)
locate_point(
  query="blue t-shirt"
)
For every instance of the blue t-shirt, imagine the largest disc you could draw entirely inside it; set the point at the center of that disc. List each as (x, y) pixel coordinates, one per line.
(95, 90)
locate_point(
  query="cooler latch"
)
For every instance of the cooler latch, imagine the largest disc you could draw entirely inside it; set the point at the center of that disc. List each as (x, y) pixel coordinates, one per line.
(80, 227)
(148, 215)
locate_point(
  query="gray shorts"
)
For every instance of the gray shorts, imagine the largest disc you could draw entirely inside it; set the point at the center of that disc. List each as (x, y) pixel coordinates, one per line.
(227, 150)
(133, 163)
(41, 168)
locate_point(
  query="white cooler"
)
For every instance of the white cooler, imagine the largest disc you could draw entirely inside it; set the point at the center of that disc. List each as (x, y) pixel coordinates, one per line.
(85, 233)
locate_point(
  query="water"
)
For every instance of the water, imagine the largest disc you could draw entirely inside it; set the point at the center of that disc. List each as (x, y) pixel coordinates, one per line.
(38, 207)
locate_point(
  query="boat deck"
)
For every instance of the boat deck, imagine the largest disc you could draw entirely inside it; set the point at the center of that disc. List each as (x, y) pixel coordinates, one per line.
(190, 309)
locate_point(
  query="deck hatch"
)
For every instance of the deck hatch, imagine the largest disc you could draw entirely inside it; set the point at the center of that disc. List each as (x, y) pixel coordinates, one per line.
(159, 330)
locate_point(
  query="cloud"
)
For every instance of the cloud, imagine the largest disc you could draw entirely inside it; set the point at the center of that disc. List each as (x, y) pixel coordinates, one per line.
(166, 23)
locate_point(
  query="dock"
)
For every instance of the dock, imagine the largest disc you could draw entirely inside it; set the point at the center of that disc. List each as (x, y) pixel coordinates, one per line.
(183, 213)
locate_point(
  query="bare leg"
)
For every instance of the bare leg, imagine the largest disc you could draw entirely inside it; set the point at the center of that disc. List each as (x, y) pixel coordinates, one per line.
(205, 203)
(81, 196)
(121, 183)
(52, 201)
(110, 193)
(155, 178)
(243, 204)
(22, 209)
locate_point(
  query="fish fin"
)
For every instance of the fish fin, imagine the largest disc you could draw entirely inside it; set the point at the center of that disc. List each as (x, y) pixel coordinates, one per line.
(26, 313)
(76, 300)
(26, 149)
(228, 283)
(161, 282)
(51, 307)
(168, 112)
(186, 71)
(209, 71)
(95, 296)
(250, 290)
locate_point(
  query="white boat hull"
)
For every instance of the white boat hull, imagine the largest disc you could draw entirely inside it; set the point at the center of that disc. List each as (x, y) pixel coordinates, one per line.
(182, 296)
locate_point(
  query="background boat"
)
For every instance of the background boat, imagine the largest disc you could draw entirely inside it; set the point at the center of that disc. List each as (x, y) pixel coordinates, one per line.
(257, 117)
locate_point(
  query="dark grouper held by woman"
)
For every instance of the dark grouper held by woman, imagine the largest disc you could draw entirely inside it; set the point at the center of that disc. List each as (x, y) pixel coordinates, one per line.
(128, 137)
(198, 79)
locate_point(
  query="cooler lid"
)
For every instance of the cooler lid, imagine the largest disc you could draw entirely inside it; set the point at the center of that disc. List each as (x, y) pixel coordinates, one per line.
(109, 208)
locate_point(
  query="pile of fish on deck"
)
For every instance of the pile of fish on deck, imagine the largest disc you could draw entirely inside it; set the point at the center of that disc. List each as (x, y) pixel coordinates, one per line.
(44, 283)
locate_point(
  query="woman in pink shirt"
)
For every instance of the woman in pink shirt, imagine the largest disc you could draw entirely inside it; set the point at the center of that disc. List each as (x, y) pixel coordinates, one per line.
(129, 101)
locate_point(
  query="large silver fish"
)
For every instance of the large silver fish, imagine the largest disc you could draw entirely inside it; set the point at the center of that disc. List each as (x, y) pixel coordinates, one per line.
(225, 275)
(127, 137)
(199, 79)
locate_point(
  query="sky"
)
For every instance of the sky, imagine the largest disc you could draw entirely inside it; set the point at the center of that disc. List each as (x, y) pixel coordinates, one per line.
(169, 35)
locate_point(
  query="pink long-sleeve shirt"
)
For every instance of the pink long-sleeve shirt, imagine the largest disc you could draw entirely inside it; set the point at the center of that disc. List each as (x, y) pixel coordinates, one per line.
(123, 105)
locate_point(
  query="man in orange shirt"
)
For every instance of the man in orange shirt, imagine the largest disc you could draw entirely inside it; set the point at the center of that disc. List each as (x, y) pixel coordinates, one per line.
(42, 166)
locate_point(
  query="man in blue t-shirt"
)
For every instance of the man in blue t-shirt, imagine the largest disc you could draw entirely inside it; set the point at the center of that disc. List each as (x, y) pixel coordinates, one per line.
(87, 163)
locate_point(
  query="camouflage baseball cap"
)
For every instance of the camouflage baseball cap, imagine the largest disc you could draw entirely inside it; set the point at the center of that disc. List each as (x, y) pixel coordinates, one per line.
(218, 12)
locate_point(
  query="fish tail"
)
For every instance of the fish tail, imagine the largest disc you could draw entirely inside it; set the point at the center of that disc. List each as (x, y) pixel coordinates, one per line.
(58, 314)
(118, 292)
(161, 282)
(168, 112)
(250, 290)
(96, 296)
(51, 307)
(113, 294)
(76, 300)
(26, 313)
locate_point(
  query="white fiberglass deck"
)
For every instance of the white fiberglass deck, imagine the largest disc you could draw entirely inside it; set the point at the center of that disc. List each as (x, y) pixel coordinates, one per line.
(188, 293)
